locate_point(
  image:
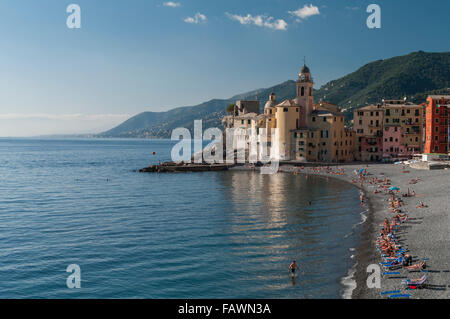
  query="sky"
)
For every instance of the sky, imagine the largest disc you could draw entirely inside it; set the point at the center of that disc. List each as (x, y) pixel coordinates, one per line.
(149, 55)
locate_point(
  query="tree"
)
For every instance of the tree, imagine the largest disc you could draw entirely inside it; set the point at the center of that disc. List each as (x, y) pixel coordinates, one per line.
(230, 108)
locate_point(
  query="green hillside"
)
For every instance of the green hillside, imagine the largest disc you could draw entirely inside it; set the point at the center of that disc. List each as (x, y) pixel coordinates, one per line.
(412, 76)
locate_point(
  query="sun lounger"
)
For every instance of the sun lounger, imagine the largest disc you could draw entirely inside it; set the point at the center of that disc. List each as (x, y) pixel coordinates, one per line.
(391, 273)
(416, 283)
(397, 296)
(390, 292)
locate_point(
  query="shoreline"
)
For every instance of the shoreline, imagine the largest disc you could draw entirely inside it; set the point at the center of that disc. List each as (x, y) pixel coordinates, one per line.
(426, 233)
(355, 279)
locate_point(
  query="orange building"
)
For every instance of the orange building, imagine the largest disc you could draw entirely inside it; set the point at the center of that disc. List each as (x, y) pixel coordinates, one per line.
(437, 124)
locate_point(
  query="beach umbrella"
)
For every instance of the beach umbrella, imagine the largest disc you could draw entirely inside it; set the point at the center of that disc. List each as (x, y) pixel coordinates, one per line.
(394, 189)
(361, 170)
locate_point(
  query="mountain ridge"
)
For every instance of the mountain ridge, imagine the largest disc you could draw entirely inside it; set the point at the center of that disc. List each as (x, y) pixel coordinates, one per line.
(413, 75)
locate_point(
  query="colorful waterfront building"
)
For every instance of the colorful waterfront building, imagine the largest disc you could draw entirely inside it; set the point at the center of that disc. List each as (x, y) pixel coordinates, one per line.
(437, 124)
(389, 131)
(368, 130)
(392, 143)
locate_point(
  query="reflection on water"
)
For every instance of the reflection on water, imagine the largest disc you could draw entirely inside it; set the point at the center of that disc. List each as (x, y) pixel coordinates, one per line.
(206, 235)
(277, 218)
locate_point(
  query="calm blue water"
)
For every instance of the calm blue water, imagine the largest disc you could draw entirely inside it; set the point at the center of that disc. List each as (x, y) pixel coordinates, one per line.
(186, 235)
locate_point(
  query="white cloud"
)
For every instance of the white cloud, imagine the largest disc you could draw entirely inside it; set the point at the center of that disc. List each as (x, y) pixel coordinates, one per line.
(171, 4)
(305, 12)
(196, 19)
(260, 21)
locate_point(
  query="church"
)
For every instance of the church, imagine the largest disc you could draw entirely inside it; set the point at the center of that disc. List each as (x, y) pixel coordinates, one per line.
(305, 131)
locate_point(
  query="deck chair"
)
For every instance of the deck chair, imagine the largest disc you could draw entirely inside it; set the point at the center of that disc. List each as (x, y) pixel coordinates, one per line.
(416, 283)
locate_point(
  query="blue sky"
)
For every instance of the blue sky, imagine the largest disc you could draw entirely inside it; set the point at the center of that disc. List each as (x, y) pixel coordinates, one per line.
(148, 55)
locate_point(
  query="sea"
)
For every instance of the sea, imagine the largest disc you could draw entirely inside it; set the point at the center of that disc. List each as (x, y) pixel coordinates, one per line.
(230, 234)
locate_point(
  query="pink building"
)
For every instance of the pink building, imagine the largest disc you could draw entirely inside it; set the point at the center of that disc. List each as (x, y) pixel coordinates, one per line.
(370, 148)
(393, 147)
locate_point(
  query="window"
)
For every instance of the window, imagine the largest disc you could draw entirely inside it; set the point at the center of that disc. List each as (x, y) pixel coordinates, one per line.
(324, 119)
(249, 122)
(302, 91)
(313, 119)
(285, 109)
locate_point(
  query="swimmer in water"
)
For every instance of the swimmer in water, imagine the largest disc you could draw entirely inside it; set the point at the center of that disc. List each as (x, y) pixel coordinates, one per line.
(292, 268)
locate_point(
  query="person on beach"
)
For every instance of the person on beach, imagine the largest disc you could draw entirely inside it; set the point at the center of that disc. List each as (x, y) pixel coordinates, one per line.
(422, 205)
(293, 266)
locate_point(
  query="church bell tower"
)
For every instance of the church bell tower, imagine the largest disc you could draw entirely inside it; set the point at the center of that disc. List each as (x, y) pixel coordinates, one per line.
(305, 95)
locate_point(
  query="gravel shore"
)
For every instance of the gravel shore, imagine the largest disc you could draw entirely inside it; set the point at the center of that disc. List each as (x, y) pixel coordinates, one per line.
(426, 234)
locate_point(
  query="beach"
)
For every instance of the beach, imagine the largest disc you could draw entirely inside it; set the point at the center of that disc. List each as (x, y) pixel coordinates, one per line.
(425, 234)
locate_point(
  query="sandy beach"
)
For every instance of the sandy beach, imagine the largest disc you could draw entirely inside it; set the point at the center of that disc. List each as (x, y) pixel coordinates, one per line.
(425, 234)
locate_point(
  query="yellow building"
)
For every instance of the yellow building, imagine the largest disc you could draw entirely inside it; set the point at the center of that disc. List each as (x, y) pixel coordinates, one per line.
(326, 139)
(410, 117)
(305, 131)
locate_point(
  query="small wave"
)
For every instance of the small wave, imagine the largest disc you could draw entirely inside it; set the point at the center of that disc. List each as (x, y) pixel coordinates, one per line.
(349, 283)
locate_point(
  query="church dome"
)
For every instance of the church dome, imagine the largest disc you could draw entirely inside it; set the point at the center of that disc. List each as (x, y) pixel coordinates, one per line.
(271, 102)
(305, 69)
